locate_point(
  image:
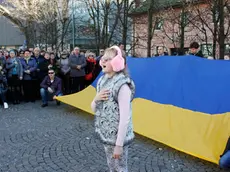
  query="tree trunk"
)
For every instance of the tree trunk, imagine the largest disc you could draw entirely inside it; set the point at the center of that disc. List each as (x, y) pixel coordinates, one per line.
(215, 21)
(107, 26)
(182, 26)
(221, 30)
(125, 23)
(28, 31)
(27, 36)
(98, 27)
(150, 28)
(104, 34)
(62, 37)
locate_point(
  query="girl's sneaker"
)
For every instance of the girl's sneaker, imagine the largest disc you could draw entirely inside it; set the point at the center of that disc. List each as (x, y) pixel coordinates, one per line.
(6, 105)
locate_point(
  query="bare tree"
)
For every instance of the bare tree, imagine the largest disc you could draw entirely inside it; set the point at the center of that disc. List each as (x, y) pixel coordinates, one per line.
(34, 9)
(150, 27)
(96, 13)
(125, 20)
(177, 27)
(62, 23)
(110, 21)
(213, 22)
(38, 19)
(100, 13)
(140, 38)
(24, 13)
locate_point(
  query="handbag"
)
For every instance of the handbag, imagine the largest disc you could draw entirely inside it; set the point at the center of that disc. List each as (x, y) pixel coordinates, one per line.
(89, 76)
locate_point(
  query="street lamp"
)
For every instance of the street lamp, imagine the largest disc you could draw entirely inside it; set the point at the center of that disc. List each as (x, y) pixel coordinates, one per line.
(73, 23)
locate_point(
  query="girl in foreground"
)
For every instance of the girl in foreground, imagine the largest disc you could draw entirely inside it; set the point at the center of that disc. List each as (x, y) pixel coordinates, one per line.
(112, 107)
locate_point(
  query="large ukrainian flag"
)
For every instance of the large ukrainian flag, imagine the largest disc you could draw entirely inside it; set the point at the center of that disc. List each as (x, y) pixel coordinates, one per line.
(181, 101)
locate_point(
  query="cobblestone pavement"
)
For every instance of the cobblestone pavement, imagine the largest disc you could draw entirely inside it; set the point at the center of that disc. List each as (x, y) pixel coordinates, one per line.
(60, 139)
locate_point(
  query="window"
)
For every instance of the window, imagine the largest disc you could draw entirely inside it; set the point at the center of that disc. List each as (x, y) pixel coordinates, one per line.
(207, 49)
(227, 48)
(215, 14)
(185, 17)
(159, 24)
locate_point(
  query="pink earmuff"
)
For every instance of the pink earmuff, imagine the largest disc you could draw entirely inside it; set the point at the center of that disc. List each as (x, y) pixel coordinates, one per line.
(118, 62)
(100, 63)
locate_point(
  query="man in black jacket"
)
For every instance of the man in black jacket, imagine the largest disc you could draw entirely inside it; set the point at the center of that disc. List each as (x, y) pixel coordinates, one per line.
(194, 49)
(77, 64)
(51, 85)
(225, 157)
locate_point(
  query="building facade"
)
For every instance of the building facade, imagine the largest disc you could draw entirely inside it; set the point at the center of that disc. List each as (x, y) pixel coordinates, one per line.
(10, 35)
(168, 20)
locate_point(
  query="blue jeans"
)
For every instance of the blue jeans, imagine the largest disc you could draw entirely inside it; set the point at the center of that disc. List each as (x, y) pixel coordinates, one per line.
(2, 97)
(225, 160)
(44, 94)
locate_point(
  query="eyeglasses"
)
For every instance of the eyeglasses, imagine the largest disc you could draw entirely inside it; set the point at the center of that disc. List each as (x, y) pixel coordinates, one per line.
(105, 59)
(51, 72)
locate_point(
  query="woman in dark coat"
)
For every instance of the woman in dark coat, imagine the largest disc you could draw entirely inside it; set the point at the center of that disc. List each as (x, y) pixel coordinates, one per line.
(29, 68)
(3, 89)
(90, 69)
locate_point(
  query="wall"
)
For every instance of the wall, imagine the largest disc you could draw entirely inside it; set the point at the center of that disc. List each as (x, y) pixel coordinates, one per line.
(10, 35)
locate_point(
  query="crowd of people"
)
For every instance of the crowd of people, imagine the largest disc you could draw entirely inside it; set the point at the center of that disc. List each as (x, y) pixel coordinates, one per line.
(194, 49)
(32, 74)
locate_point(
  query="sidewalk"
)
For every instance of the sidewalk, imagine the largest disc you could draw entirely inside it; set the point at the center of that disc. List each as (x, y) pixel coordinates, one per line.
(61, 139)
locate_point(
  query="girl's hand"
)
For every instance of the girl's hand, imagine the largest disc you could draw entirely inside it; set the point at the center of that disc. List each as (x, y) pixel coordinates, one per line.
(50, 66)
(118, 150)
(102, 95)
